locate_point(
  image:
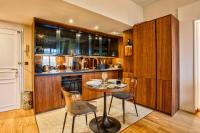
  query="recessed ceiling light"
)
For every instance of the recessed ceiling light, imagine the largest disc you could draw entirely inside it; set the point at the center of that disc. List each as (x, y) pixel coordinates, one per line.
(96, 27)
(71, 21)
(115, 33)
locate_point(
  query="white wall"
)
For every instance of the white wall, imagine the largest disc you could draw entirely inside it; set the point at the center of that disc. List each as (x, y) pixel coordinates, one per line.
(187, 15)
(164, 7)
(125, 11)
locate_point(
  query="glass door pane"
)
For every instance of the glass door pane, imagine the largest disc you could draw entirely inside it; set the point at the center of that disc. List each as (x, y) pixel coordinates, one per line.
(68, 42)
(95, 46)
(83, 43)
(46, 40)
(105, 46)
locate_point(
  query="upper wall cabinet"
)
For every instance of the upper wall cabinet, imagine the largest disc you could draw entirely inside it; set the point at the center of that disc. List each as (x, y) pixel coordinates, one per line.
(68, 43)
(53, 38)
(46, 40)
(145, 50)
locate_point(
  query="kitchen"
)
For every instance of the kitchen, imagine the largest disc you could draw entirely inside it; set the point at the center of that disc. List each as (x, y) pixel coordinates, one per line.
(126, 68)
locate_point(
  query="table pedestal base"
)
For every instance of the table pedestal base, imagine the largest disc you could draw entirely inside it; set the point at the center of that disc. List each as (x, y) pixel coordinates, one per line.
(112, 126)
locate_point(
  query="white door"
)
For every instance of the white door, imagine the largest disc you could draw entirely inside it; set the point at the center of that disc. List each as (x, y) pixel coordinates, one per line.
(10, 69)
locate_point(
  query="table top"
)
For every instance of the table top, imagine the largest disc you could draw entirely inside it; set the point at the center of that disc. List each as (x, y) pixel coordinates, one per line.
(98, 86)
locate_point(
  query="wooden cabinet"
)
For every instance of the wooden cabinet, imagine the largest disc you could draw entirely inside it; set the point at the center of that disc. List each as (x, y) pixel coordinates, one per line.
(167, 64)
(47, 90)
(47, 93)
(156, 63)
(145, 50)
(145, 63)
(145, 92)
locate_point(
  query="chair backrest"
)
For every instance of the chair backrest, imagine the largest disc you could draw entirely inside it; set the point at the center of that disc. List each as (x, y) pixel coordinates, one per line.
(133, 86)
(129, 78)
(68, 99)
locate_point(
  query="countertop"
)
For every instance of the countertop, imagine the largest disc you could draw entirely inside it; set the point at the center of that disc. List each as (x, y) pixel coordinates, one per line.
(62, 72)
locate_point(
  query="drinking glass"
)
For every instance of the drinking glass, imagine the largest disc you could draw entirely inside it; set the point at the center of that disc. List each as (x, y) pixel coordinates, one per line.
(104, 77)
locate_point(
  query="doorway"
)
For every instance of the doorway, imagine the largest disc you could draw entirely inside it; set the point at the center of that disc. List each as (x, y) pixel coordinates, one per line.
(10, 69)
(197, 64)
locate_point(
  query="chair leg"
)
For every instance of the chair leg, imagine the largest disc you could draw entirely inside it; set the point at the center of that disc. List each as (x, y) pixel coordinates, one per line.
(96, 122)
(73, 123)
(110, 105)
(135, 107)
(123, 107)
(86, 118)
(64, 122)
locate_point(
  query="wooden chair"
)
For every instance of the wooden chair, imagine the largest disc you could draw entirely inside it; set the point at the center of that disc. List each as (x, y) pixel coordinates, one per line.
(76, 108)
(126, 95)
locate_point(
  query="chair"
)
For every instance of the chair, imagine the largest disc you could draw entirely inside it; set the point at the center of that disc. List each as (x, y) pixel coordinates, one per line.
(77, 108)
(128, 95)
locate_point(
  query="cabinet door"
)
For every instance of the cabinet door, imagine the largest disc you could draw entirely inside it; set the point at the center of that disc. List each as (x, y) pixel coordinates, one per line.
(68, 42)
(46, 40)
(145, 92)
(164, 48)
(83, 44)
(47, 93)
(164, 96)
(95, 45)
(144, 50)
(113, 47)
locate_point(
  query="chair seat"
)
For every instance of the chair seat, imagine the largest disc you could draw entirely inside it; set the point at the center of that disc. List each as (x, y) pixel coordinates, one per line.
(122, 95)
(82, 107)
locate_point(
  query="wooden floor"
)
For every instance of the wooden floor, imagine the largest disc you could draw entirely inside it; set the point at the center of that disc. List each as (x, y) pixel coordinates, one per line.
(157, 122)
(20, 121)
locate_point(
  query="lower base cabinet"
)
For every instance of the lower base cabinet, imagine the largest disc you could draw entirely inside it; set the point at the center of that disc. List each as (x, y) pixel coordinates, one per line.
(146, 92)
(47, 93)
(47, 90)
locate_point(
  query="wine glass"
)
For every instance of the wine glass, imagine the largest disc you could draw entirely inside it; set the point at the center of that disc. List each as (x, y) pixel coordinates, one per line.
(104, 77)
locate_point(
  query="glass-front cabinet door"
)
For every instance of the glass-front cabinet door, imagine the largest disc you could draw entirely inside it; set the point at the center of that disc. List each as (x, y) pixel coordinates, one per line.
(83, 41)
(95, 46)
(46, 40)
(105, 47)
(113, 47)
(68, 42)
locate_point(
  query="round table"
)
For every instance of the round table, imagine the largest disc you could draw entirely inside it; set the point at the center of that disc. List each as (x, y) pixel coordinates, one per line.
(106, 123)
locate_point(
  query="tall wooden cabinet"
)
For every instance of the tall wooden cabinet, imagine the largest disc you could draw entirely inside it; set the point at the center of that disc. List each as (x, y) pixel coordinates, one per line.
(167, 29)
(145, 63)
(156, 63)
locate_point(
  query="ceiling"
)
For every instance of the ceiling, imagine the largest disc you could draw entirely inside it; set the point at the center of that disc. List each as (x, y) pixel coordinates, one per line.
(23, 11)
(144, 2)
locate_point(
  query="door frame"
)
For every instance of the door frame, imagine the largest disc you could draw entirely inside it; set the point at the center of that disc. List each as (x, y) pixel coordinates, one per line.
(20, 34)
(197, 65)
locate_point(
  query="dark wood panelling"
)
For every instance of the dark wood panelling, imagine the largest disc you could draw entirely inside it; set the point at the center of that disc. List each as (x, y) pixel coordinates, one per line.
(164, 48)
(164, 95)
(146, 92)
(167, 64)
(47, 93)
(127, 60)
(175, 64)
(145, 50)
(145, 63)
